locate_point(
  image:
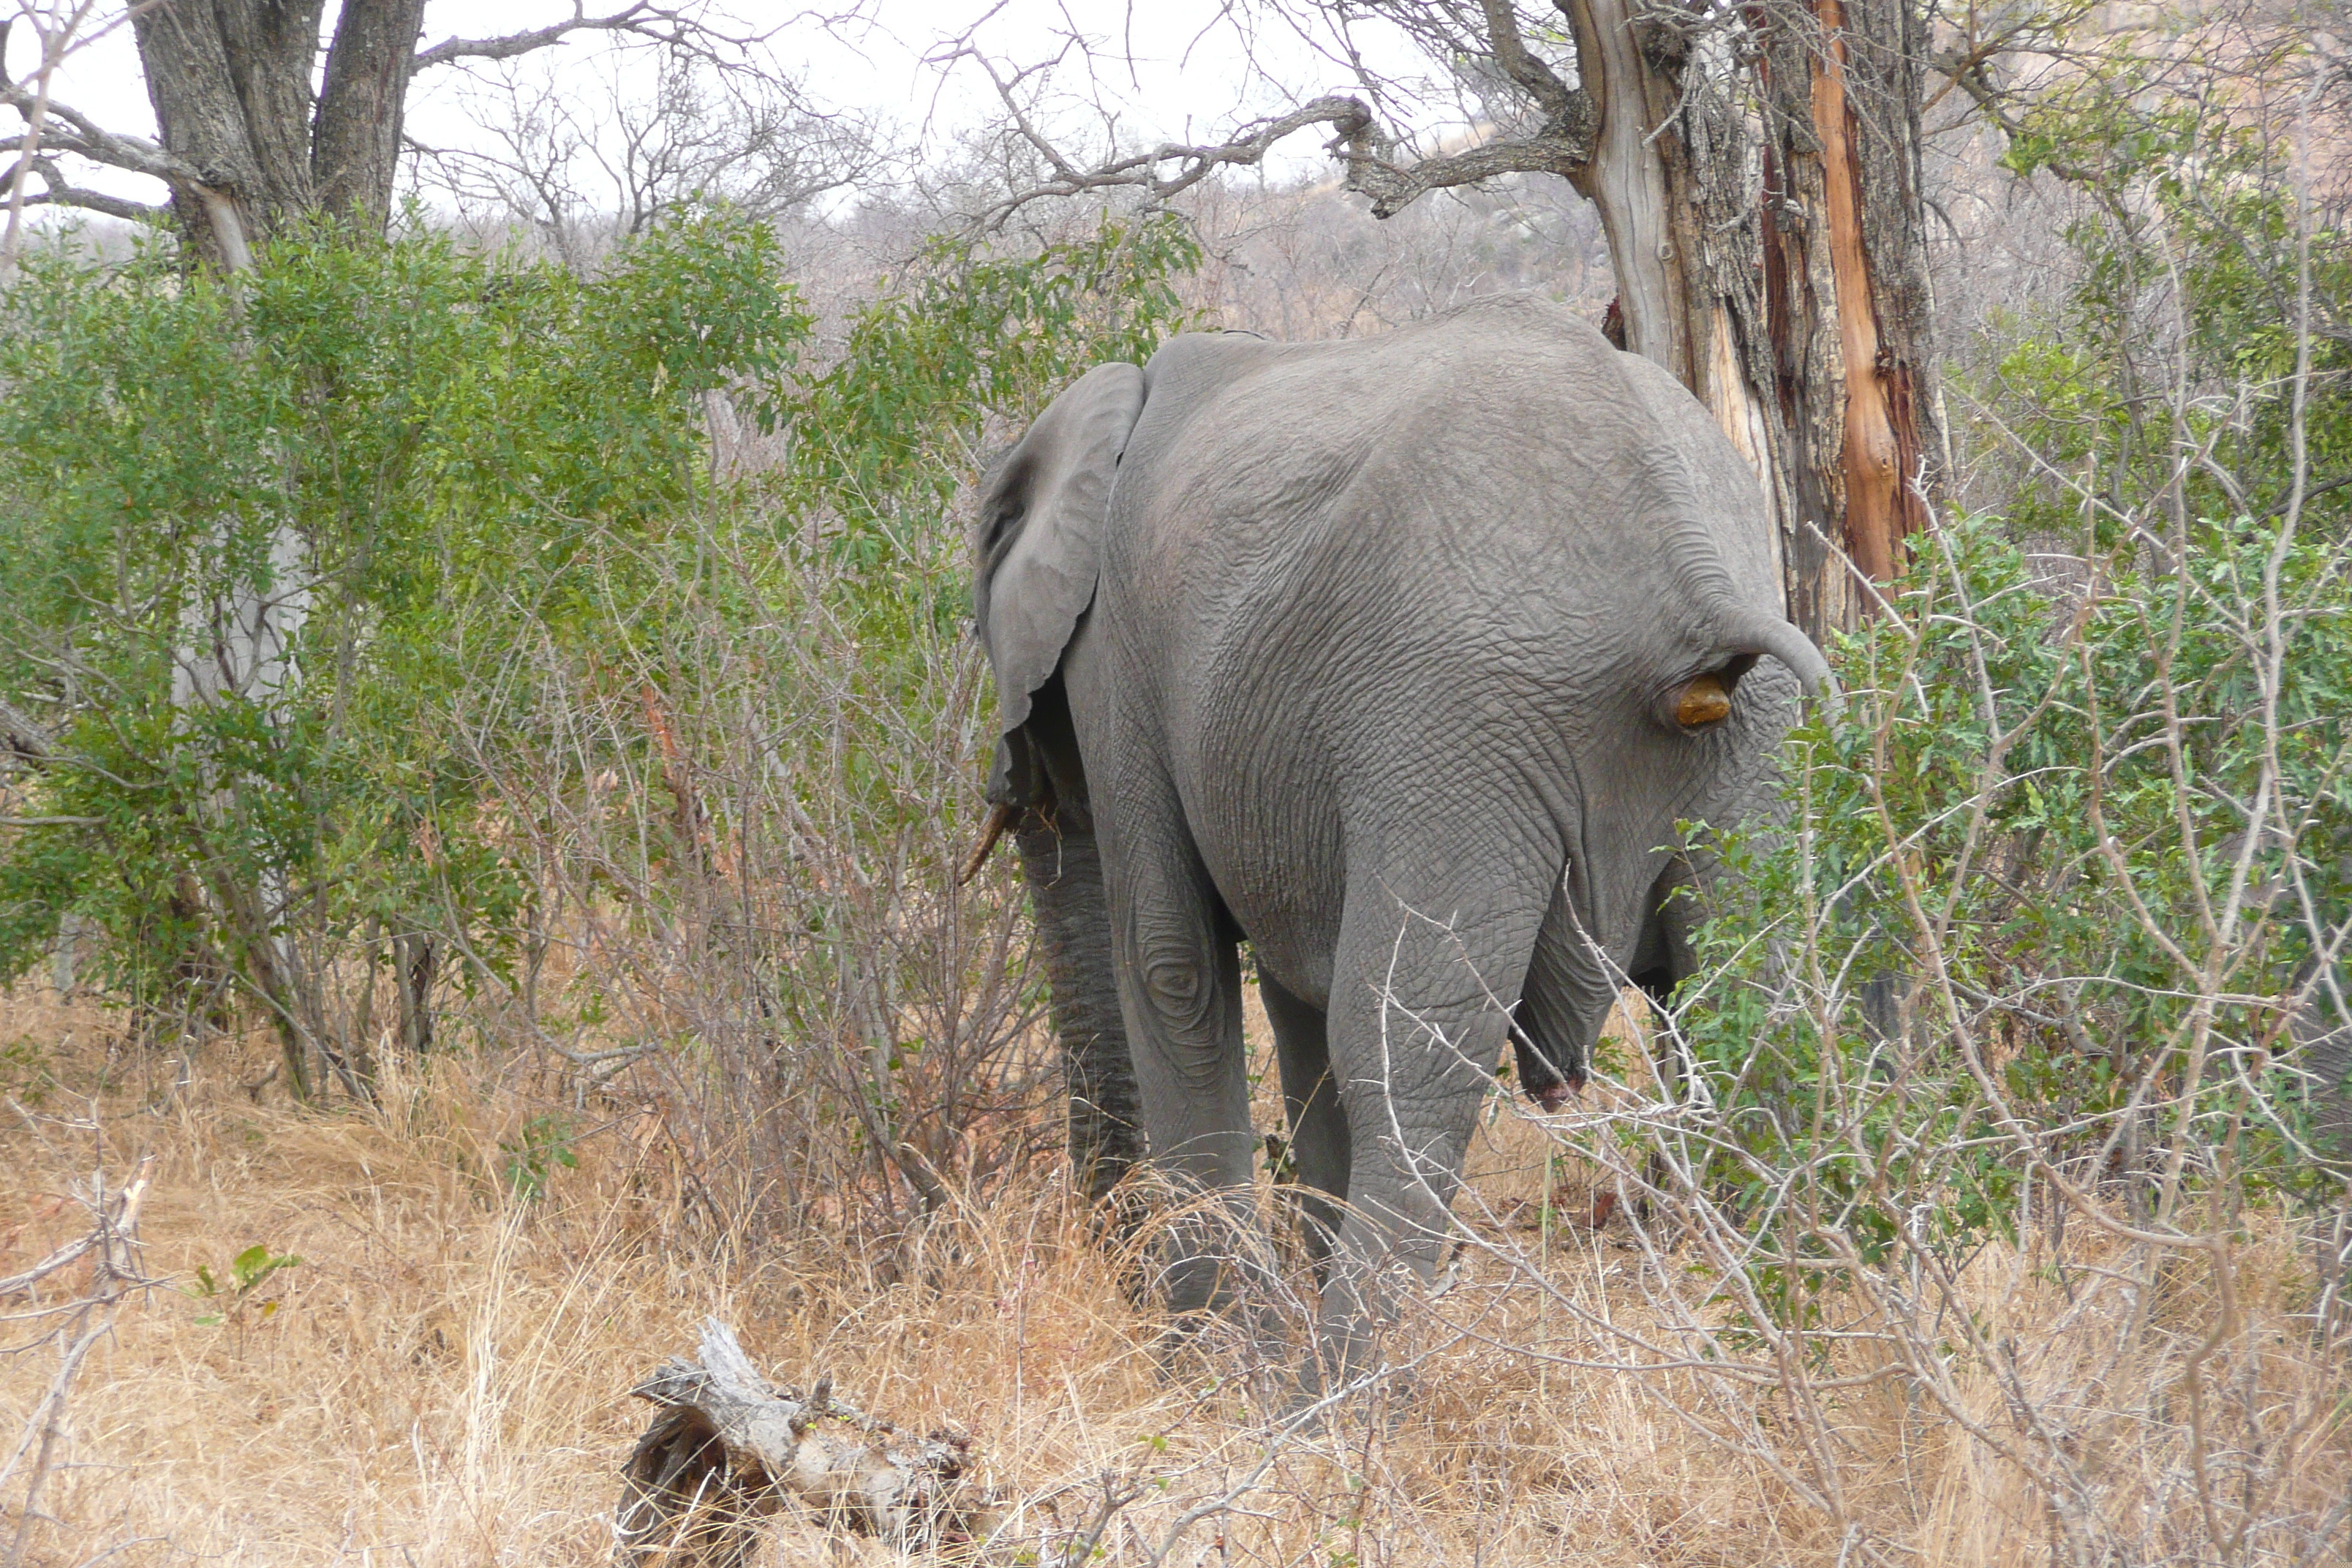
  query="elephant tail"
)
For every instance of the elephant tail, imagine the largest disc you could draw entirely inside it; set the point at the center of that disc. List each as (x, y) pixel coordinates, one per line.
(1781, 639)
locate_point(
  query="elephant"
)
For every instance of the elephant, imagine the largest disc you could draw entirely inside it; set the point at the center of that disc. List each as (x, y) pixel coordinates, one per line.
(1399, 658)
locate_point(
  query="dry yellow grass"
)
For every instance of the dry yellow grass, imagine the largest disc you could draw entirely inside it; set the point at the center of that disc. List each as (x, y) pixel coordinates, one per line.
(445, 1378)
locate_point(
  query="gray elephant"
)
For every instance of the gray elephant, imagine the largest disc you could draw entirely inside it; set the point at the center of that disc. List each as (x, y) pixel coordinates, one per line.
(1398, 658)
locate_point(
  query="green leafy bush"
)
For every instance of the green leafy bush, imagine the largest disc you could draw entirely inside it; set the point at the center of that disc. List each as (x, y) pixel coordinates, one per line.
(895, 422)
(2163, 381)
(396, 435)
(530, 1158)
(2055, 881)
(564, 678)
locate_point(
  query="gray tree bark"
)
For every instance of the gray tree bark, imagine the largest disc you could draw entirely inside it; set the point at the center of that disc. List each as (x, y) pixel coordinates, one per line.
(253, 134)
(1765, 223)
(231, 82)
(355, 146)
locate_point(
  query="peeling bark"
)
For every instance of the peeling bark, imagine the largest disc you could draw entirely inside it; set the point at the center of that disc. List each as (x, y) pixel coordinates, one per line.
(1765, 225)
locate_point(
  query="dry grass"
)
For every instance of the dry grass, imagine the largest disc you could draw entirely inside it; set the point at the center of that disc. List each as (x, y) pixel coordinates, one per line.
(444, 1380)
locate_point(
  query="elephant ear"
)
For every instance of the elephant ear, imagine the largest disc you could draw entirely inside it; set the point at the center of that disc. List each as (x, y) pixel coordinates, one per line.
(1041, 526)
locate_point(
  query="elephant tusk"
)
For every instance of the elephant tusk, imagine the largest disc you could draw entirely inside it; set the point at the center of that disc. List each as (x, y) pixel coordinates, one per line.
(998, 821)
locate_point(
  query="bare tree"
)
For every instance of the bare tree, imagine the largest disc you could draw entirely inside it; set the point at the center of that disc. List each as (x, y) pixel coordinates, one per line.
(254, 132)
(579, 167)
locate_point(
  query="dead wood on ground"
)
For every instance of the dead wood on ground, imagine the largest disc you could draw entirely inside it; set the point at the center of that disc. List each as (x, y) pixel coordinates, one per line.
(729, 1449)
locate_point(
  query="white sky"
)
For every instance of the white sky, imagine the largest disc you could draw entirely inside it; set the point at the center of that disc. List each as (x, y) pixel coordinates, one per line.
(1193, 76)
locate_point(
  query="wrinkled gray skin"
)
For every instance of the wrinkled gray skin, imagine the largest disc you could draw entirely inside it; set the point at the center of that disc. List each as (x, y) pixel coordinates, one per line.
(1366, 653)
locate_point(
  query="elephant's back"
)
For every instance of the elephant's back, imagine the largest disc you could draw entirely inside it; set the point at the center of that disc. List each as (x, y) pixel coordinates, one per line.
(1508, 432)
(1478, 490)
(1338, 570)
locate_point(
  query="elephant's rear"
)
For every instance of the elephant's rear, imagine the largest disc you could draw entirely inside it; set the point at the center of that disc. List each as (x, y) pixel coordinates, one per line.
(1363, 586)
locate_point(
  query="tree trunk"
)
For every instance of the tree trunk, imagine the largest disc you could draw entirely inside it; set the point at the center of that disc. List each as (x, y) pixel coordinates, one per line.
(1777, 268)
(237, 640)
(231, 82)
(414, 965)
(356, 145)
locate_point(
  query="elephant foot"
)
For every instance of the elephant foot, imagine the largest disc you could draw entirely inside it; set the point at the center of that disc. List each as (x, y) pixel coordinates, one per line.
(1378, 1396)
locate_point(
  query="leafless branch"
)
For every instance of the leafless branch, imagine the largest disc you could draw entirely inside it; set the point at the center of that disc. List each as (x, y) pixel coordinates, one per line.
(647, 20)
(582, 167)
(88, 139)
(59, 192)
(679, 27)
(1372, 158)
(112, 1247)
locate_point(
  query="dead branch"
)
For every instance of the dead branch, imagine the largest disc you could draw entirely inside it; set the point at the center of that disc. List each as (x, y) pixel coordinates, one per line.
(60, 192)
(1375, 164)
(688, 29)
(84, 137)
(22, 737)
(645, 20)
(112, 1247)
(729, 1448)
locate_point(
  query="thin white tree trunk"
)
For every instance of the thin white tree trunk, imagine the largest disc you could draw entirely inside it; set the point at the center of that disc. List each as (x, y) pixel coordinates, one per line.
(238, 632)
(1628, 183)
(239, 629)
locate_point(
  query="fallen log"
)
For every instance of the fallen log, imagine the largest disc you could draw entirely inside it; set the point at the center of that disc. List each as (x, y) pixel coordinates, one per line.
(729, 1449)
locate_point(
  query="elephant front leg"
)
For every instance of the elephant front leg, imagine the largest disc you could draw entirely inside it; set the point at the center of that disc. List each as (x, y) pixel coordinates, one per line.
(1314, 1120)
(1060, 860)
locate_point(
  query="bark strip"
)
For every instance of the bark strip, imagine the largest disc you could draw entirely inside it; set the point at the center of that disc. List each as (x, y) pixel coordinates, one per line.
(1875, 517)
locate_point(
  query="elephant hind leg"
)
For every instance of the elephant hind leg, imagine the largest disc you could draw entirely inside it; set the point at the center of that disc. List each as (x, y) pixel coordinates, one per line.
(1175, 949)
(1316, 1122)
(1427, 971)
